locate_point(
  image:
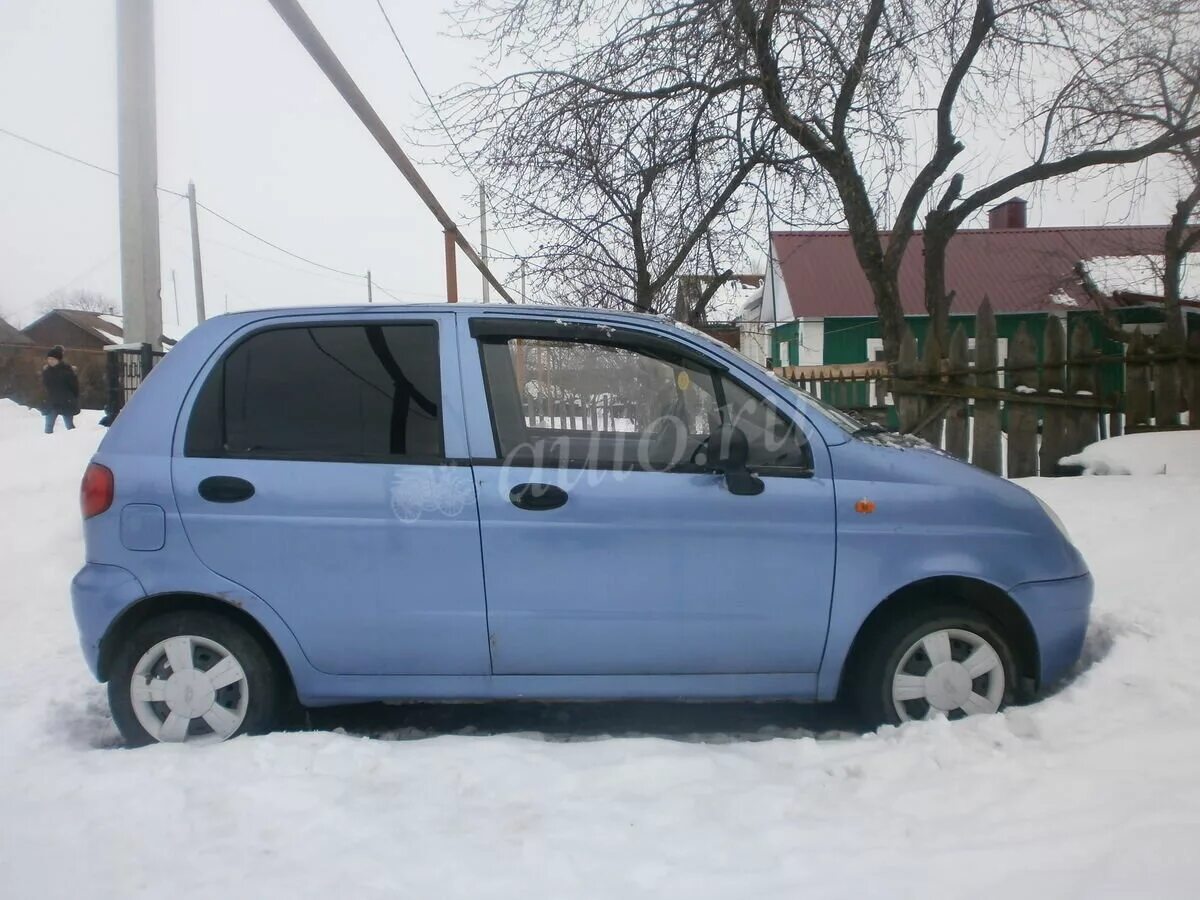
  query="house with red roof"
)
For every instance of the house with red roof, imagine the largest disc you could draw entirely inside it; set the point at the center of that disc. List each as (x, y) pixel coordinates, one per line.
(817, 307)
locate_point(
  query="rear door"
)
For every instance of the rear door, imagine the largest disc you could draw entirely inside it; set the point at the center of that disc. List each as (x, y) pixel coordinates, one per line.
(313, 466)
(629, 556)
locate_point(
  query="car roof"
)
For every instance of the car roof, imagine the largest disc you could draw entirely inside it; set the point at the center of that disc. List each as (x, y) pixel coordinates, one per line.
(417, 309)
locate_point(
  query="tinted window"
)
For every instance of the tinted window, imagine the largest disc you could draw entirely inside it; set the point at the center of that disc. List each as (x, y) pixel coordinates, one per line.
(349, 392)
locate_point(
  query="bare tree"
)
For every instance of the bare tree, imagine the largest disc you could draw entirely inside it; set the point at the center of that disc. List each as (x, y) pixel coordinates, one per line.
(849, 83)
(85, 300)
(626, 194)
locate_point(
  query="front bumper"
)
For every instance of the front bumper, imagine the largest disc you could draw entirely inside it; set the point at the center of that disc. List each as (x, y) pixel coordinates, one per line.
(1058, 612)
(99, 594)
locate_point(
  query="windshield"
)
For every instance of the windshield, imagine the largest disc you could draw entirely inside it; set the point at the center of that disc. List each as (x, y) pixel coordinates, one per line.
(843, 421)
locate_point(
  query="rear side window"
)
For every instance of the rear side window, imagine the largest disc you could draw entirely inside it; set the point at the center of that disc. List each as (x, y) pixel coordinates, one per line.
(327, 392)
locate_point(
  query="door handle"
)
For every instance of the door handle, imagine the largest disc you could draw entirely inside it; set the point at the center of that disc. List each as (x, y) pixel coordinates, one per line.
(537, 496)
(226, 489)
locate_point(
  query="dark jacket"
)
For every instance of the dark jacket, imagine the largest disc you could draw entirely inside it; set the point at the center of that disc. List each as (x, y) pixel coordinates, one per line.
(62, 390)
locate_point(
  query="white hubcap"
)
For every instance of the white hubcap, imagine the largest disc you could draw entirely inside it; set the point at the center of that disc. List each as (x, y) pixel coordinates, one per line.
(189, 688)
(948, 671)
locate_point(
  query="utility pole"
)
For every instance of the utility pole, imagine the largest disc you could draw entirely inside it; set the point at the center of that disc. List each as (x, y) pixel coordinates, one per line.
(196, 271)
(451, 267)
(175, 291)
(306, 32)
(370, 299)
(483, 240)
(522, 279)
(137, 164)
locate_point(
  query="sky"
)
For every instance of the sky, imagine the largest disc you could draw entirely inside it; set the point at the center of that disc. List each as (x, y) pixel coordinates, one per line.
(245, 113)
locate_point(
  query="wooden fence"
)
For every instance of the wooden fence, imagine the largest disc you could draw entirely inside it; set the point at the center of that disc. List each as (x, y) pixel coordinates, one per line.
(1024, 416)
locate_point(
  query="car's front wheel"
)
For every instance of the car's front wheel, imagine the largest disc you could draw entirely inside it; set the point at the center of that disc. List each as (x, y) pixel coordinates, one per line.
(950, 661)
(192, 677)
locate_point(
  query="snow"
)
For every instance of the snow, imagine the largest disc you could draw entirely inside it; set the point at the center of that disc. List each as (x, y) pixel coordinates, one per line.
(1170, 453)
(1062, 298)
(1141, 274)
(1092, 792)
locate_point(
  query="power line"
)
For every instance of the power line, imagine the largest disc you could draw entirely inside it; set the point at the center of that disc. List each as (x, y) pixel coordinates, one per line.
(446, 128)
(33, 143)
(247, 231)
(172, 193)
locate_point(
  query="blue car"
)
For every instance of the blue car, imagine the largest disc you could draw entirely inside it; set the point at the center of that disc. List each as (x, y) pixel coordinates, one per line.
(339, 505)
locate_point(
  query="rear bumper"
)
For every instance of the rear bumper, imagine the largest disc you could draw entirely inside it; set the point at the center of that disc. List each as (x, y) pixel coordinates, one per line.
(98, 595)
(1058, 612)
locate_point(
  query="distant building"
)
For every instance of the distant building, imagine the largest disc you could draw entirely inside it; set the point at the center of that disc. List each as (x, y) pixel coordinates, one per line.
(816, 308)
(77, 329)
(10, 335)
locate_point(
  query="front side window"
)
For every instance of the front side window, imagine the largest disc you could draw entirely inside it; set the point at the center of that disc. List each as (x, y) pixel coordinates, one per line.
(612, 405)
(330, 392)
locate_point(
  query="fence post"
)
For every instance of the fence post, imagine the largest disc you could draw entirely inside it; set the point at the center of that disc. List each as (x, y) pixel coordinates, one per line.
(1054, 418)
(147, 361)
(115, 398)
(1167, 393)
(931, 373)
(1137, 382)
(985, 445)
(1193, 380)
(908, 406)
(957, 436)
(1083, 379)
(1022, 417)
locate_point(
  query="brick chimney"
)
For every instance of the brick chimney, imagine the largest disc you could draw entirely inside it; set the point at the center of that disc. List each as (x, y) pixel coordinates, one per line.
(1009, 214)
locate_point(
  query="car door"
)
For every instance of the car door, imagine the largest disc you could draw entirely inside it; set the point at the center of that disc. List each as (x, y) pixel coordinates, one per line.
(609, 546)
(313, 467)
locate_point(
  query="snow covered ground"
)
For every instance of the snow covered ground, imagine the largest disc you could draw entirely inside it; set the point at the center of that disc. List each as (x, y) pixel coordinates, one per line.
(1093, 792)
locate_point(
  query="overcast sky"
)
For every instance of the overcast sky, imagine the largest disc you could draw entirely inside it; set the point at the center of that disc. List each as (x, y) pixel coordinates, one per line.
(244, 111)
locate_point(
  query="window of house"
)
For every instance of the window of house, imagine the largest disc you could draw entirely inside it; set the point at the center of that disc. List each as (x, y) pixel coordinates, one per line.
(336, 392)
(601, 404)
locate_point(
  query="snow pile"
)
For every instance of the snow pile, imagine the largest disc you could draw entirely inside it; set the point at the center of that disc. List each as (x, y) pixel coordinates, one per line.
(1092, 792)
(1165, 453)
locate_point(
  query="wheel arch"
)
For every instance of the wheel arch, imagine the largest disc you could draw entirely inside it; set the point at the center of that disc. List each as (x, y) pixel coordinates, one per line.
(149, 607)
(980, 596)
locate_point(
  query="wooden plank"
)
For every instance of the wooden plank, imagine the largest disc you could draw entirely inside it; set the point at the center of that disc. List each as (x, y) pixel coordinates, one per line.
(833, 370)
(1193, 381)
(957, 434)
(1082, 381)
(1022, 417)
(931, 369)
(1054, 416)
(985, 449)
(1166, 378)
(908, 407)
(1137, 384)
(1032, 398)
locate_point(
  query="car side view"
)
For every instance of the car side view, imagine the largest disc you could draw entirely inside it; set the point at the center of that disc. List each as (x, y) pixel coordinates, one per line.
(341, 505)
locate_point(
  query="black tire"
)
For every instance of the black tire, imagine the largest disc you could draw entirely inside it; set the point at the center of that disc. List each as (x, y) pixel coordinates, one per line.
(879, 659)
(265, 684)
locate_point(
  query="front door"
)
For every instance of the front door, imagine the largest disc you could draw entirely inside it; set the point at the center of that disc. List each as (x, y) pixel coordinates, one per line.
(628, 554)
(314, 473)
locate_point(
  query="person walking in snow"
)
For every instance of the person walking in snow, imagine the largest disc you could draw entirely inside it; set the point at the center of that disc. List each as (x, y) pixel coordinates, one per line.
(62, 390)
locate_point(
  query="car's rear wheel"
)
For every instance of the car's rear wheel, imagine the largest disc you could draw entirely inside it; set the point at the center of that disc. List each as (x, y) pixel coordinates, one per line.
(192, 677)
(948, 661)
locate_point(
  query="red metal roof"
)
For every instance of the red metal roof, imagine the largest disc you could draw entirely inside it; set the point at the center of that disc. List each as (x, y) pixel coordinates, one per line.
(1018, 268)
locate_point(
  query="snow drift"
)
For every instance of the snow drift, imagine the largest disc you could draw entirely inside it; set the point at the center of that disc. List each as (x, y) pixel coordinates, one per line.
(1092, 792)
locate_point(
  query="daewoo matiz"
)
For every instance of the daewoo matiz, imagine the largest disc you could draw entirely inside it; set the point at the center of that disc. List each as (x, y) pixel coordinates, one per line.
(472, 503)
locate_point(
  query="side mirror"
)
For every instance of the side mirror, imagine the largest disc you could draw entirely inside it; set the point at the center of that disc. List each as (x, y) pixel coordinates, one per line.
(729, 450)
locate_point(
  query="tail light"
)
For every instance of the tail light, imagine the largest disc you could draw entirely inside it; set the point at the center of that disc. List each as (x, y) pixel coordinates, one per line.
(96, 492)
